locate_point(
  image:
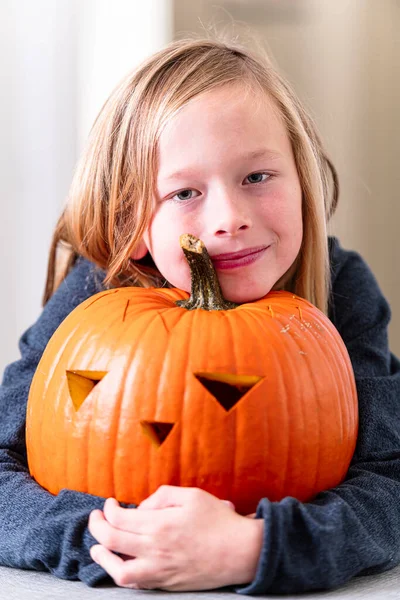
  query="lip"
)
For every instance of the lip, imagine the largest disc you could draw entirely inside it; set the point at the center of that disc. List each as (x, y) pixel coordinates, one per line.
(232, 260)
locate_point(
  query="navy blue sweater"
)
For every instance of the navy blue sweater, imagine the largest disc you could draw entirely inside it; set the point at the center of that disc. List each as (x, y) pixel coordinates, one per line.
(346, 531)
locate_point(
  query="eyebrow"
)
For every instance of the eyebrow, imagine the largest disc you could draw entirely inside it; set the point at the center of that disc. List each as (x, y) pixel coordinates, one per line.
(253, 155)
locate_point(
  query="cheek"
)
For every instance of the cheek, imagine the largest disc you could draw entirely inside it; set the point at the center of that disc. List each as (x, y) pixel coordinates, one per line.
(168, 224)
(160, 233)
(284, 212)
(162, 241)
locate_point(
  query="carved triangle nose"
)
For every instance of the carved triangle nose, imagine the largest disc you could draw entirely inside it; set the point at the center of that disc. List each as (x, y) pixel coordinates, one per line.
(227, 388)
(157, 431)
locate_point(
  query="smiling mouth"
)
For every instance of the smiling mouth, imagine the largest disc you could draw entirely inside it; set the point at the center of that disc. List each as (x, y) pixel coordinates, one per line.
(238, 259)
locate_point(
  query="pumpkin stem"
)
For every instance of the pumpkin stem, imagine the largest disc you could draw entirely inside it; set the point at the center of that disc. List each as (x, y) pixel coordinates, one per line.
(206, 292)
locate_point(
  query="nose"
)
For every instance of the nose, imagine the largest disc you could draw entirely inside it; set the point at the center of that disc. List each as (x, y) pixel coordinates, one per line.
(229, 214)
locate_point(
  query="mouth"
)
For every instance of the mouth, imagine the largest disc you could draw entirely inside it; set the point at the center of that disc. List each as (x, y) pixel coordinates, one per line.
(242, 258)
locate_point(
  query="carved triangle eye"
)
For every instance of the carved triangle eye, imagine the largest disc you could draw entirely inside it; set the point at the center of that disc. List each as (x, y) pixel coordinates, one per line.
(81, 383)
(157, 431)
(227, 388)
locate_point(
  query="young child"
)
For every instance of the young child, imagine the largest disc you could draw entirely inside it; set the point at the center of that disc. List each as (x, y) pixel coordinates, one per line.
(207, 138)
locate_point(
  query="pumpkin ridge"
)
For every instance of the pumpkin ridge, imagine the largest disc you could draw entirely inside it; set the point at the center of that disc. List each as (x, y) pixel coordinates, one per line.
(99, 296)
(166, 297)
(152, 316)
(274, 335)
(84, 333)
(256, 330)
(106, 475)
(348, 417)
(191, 454)
(156, 409)
(72, 350)
(332, 364)
(42, 408)
(114, 323)
(335, 353)
(312, 340)
(349, 382)
(163, 321)
(231, 322)
(293, 470)
(311, 348)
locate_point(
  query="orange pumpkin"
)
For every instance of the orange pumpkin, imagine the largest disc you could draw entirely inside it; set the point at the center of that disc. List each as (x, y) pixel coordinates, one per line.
(249, 401)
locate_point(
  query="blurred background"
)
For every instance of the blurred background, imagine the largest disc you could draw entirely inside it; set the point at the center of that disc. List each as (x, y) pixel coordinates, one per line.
(61, 58)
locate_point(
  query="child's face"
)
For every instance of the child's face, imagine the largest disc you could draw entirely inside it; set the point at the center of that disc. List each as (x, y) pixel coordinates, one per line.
(233, 202)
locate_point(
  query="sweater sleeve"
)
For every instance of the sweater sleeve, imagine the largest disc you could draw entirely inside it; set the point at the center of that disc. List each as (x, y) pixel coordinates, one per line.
(354, 528)
(37, 529)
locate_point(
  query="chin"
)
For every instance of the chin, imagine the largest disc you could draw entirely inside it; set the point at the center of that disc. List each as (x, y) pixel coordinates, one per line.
(243, 296)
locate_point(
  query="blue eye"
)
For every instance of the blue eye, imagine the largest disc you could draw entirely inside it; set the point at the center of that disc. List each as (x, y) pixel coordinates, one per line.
(257, 177)
(185, 194)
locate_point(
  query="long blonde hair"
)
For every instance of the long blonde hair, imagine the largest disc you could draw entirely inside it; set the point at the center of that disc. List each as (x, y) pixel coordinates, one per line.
(111, 199)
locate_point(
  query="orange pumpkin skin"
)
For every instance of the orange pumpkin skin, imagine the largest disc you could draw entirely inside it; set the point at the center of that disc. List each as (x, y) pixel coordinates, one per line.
(292, 434)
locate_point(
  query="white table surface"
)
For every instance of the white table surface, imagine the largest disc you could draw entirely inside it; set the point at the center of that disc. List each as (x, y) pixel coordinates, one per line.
(16, 584)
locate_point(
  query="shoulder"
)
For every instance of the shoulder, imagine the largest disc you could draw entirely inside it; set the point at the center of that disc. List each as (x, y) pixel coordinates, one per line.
(84, 280)
(357, 305)
(349, 265)
(354, 288)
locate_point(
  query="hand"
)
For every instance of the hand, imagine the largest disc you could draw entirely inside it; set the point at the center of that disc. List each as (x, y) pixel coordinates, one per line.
(178, 539)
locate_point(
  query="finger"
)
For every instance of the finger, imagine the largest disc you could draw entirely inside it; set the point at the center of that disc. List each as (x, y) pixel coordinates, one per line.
(123, 542)
(113, 565)
(131, 573)
(229, 503)
(141, 522)
(167, 496)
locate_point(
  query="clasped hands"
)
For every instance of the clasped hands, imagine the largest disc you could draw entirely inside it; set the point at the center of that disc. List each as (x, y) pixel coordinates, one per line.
(178, 539)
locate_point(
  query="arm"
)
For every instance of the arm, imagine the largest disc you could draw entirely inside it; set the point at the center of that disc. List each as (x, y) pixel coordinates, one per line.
(354, 528)
(38, 530)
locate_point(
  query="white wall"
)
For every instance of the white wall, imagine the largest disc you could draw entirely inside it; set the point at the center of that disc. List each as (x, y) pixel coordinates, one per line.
(114, 37)
(38, 137)
(60, 60)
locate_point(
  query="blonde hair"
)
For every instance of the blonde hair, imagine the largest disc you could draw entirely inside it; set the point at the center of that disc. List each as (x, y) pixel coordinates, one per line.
(110, 203)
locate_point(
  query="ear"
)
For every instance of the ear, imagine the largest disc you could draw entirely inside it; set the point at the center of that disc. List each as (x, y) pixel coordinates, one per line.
(140, 251)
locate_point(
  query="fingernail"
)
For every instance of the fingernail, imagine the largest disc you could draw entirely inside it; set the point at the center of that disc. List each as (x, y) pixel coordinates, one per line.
(93, 553)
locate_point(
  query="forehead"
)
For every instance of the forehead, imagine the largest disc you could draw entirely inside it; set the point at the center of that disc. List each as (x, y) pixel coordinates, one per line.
(225, 103)
(228, 120)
